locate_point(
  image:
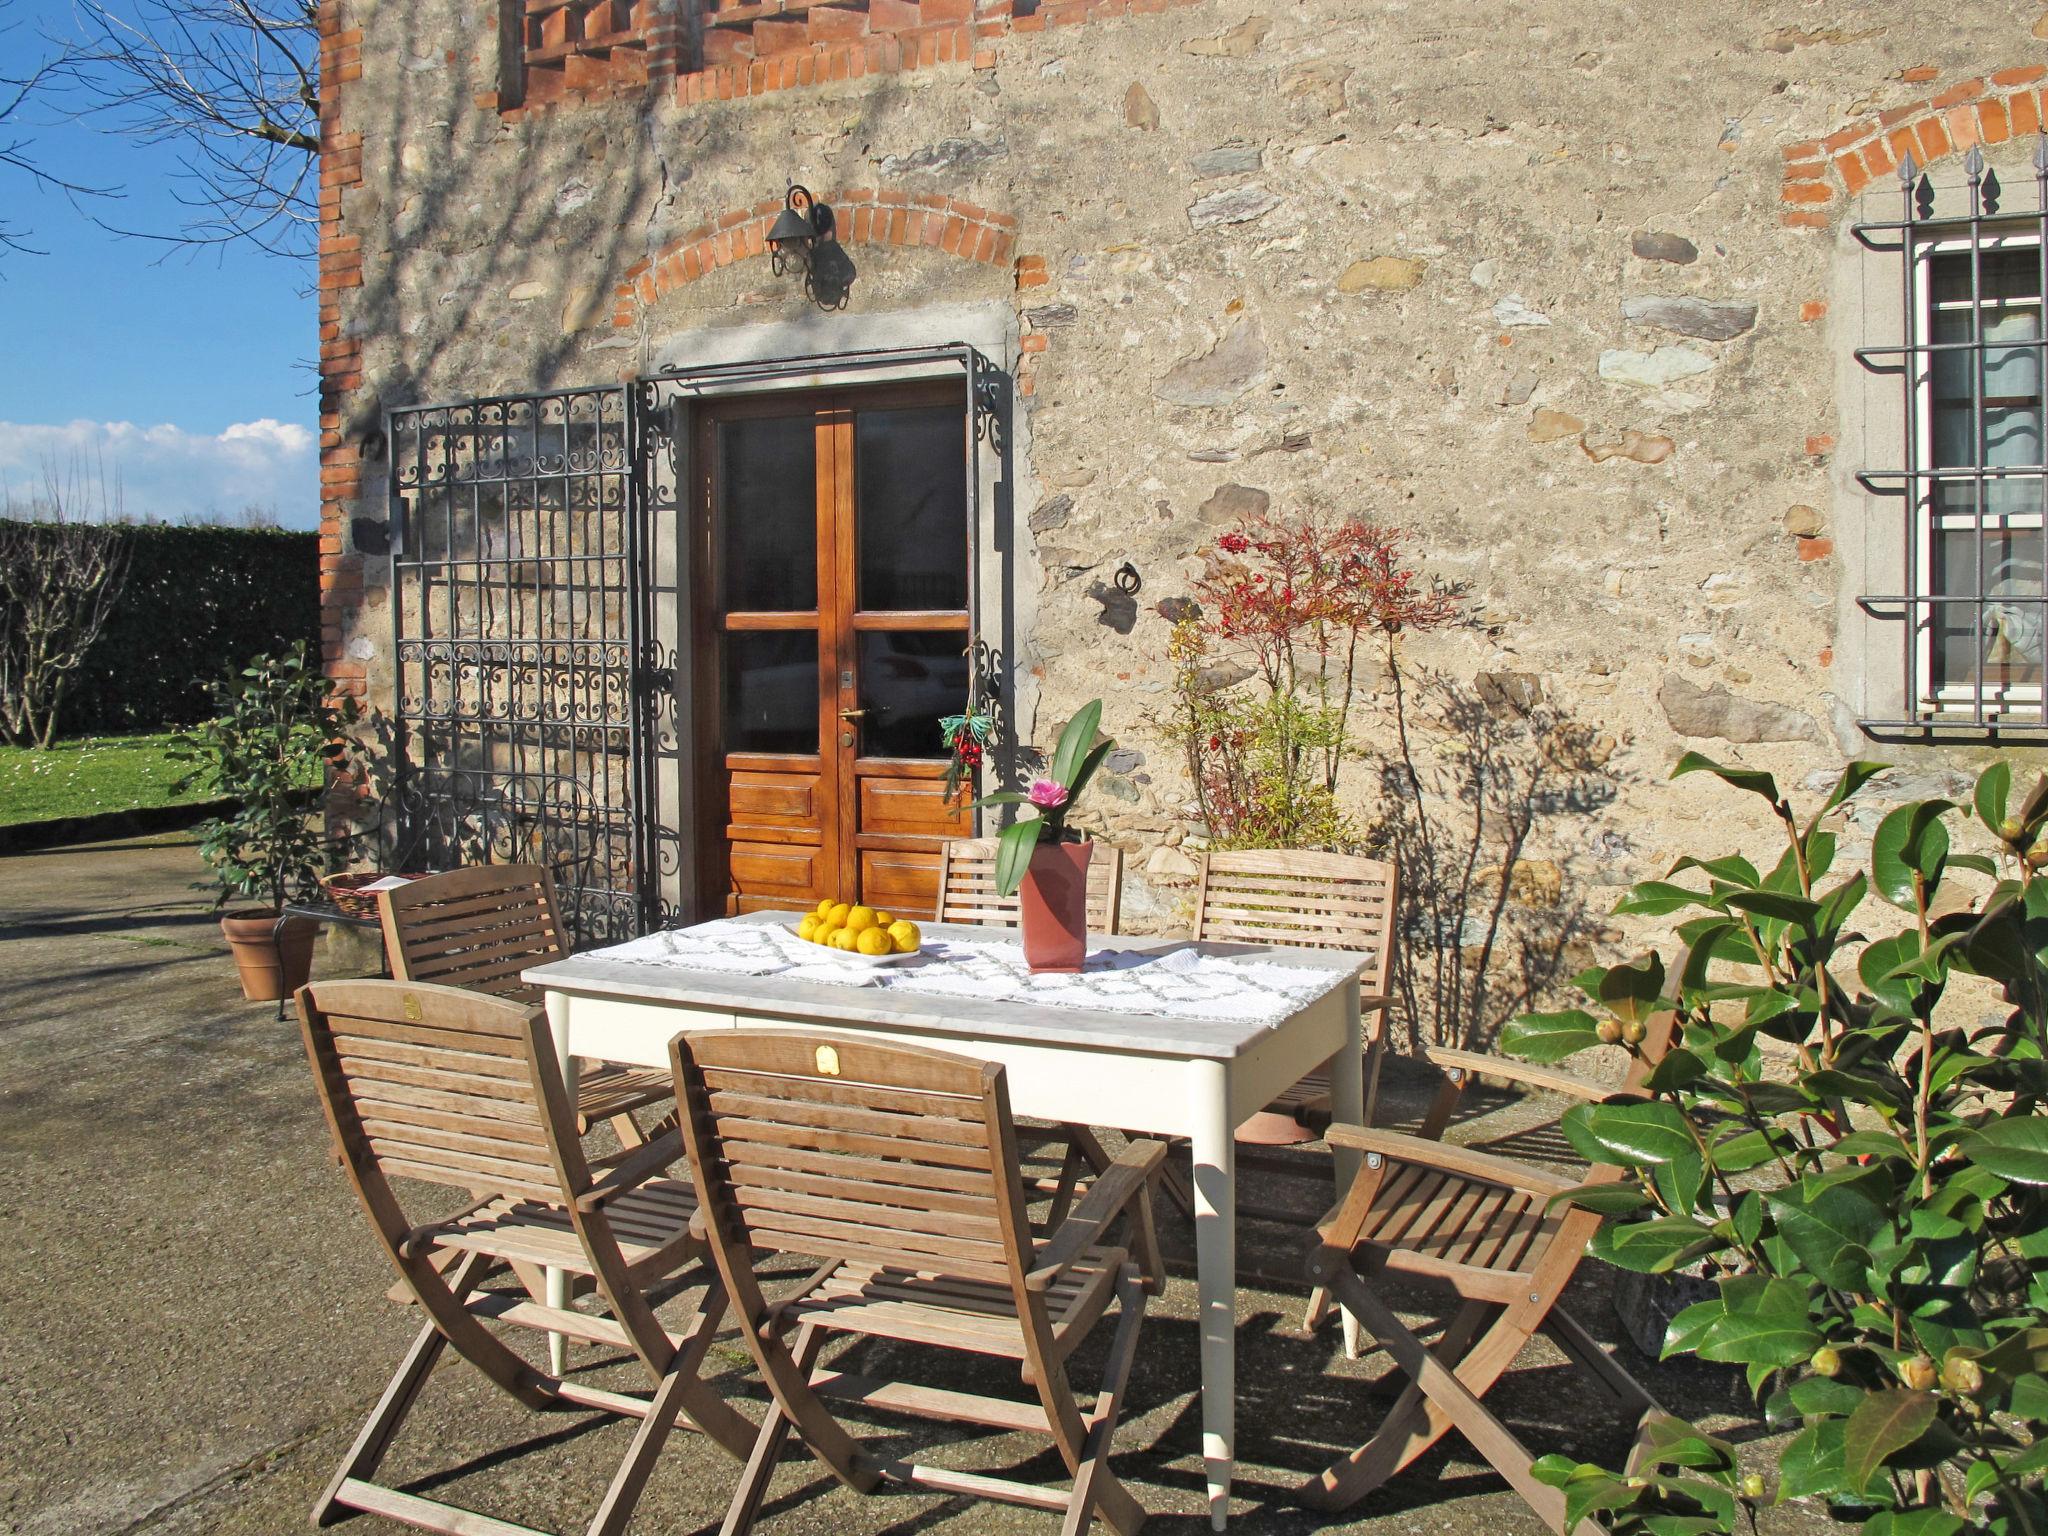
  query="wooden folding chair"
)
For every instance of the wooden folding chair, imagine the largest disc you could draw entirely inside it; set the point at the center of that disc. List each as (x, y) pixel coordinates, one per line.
(478, 928)
(446, 1087)
(897, 1167)
(968, 894)
(1486, 1228)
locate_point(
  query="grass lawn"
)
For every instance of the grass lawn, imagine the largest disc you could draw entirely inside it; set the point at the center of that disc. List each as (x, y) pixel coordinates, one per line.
(87, 776)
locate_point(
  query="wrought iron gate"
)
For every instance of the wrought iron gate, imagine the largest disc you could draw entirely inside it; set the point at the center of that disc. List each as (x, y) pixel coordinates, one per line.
(538, 600)
(527, 688)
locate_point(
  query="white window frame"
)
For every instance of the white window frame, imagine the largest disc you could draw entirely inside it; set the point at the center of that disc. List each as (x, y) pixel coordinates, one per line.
(1940, 698)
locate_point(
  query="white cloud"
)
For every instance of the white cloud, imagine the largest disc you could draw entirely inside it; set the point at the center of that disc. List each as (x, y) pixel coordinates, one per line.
(171, 475)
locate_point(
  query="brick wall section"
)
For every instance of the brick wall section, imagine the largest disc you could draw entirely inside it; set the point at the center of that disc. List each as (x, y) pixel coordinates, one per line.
(1988, 110)
(864, 217)
(888, 37)
(752, 49)
(341, 359)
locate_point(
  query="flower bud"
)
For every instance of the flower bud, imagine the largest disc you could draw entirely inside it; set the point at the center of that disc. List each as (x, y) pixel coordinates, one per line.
(1609, 1031)
(1961, 1373)
(1917, 1373)
(1826, 1361)
(2010, 829)
(2037, 855)
(1752, 1486)
(1635, 1031)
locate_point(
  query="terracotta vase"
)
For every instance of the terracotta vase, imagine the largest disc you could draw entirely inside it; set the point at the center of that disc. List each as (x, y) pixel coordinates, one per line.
(1054, 906)
(272, 964)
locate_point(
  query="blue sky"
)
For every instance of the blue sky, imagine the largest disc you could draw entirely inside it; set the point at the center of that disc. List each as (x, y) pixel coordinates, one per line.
(188, 371)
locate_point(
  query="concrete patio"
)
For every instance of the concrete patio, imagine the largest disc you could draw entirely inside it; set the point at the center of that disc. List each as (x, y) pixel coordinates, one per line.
(198, 1320)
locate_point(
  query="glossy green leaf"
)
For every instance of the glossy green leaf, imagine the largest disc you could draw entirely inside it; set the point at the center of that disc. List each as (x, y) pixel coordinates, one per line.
(1927, 1520)
(1614, 1197)
(1634, 991)
(1754, 780)
(1908, 852)
(1883, 1424)
(1075, 741)
(1658, 898)
(1811, 1464)
(1549, 1036)
(1994, 788)
(1854, 777)
(2015, 1148)
(1781, 906)
(1825, 1395)
(1651, 1247)
(1832, 1220)
(1014, 847)
(1763, 1322)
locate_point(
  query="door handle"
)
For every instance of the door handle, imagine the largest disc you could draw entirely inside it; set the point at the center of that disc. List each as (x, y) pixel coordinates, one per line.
(852, 714)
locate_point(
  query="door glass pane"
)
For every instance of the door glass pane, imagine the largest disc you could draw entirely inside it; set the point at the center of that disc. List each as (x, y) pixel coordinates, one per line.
(912, 508)
(2008, 640)
(768, 514)
(771, 690)
(908, 680)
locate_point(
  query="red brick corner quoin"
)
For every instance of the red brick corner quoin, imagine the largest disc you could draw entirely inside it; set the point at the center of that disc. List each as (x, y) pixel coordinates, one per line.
(864, 217)
(1990, 109)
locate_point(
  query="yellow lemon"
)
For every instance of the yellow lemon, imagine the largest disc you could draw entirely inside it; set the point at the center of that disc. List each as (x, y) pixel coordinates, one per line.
(883, 919)
(844, 938)
(904, 935)
(837, 916)
(808, 928)
(824, 908)
(860, 918)
(873, 941)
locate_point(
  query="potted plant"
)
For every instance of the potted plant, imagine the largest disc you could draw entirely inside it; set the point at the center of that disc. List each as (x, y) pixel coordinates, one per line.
(1039, 861)
(273, 736)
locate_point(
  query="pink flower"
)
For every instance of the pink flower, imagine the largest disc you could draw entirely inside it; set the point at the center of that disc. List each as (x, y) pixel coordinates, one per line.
(1047, 794)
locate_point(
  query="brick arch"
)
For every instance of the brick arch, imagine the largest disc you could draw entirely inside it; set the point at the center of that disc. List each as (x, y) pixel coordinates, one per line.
(1989, 110)
(865, 217)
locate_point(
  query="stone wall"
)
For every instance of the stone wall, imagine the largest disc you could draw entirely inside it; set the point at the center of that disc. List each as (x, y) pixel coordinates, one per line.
(1558, 289)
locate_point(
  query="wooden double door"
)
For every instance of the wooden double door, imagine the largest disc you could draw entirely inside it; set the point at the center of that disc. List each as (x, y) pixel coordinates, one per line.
(832, 635)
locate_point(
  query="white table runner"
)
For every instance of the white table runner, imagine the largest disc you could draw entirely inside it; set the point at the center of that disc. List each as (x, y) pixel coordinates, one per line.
(1182, 983)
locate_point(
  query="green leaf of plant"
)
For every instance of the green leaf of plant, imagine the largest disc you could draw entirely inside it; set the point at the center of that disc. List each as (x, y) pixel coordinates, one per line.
(1731, 869)
(1629, 1135)
(1651, 1247)
(1658, 898)
(1634, 991)
(1908, 852)
(1927, 1520)
(1832, 1220)
(1994, 788)
(1811, 1465)
(1611, 1198)
(1014, 847)
(1878, 969)
(2015, 1148)
(1825, 1395)
(1549, 1036)
(1075, 741)
(1779, 905)
(1883, 1424)
(1854, 777)
(1751, 779)
(1765, 1322)
(1837, 904)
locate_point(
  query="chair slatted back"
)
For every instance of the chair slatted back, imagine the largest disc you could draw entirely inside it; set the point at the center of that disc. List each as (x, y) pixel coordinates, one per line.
(442, 1085)
(1305, 899)
(968, 894)
(833, 1147)
(476, 928)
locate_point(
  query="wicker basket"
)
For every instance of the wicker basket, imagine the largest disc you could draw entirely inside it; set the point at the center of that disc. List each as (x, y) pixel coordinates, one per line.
(346, 892)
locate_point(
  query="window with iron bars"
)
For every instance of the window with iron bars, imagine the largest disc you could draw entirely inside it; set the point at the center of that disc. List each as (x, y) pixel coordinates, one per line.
(1972, 609)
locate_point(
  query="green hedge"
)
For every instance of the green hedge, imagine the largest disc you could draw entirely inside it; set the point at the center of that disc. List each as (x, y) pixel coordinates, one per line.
(197, 599)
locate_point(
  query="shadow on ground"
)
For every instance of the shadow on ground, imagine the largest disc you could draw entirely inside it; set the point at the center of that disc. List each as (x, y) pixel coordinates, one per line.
(200, 1323)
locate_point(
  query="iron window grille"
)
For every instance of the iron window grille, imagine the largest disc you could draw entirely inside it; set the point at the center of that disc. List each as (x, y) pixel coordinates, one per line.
(1972, 608)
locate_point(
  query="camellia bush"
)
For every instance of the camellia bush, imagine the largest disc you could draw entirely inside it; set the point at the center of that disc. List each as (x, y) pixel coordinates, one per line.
(1869, 1192)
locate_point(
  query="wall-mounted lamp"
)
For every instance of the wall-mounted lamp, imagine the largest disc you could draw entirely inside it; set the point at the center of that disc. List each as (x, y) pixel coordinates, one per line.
(803, 239)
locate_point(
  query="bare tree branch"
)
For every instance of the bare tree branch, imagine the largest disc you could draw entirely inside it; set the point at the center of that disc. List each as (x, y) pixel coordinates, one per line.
(16, 94)
(233, 87)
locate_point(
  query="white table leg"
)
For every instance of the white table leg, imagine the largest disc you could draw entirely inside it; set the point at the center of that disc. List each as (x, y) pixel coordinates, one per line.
(557, 1278)
(1215, 1167)
(1347, 1103)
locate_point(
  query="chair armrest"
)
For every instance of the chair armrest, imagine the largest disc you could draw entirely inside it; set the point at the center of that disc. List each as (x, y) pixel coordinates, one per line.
(1107, 1198)
(1450, 1158)
(1534, 1076)
(633, 1170)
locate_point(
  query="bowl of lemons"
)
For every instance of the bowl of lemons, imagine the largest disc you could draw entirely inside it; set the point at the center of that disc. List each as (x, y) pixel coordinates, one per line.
(860, 934)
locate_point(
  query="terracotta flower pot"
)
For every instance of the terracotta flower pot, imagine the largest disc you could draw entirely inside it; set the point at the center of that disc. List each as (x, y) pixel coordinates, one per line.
(1054, 906)
(272, 964)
